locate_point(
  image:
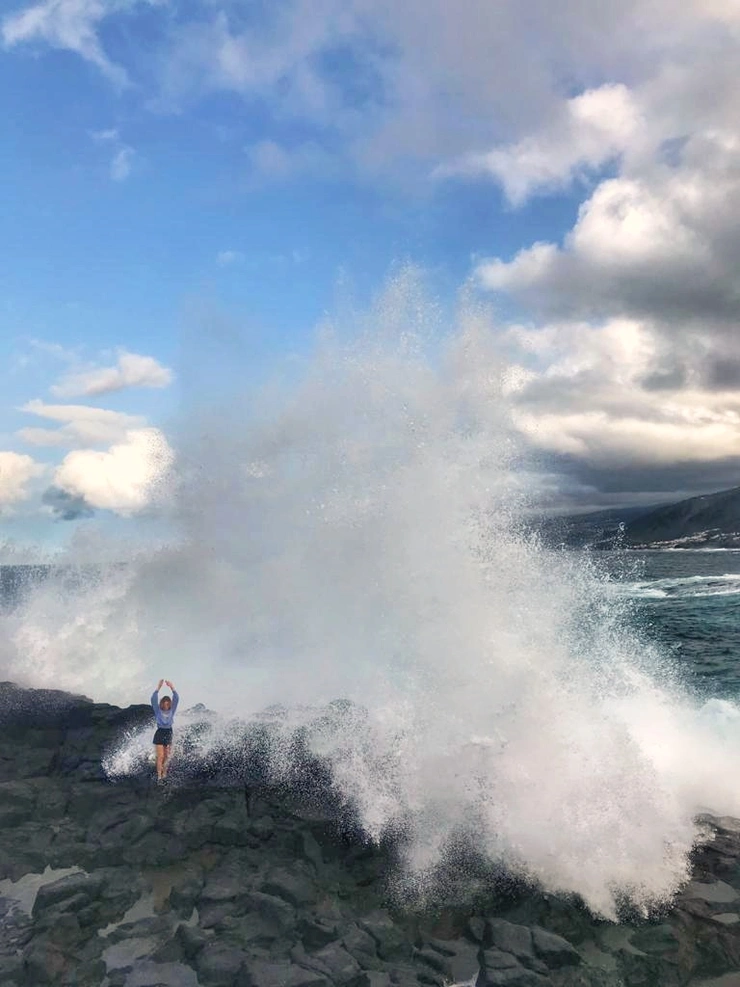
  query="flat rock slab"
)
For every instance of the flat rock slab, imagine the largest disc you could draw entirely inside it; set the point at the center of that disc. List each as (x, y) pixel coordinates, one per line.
(717, 892)
(727, 918)
(161, 975)
(25, 890)
(78, 885)
(123, 954)
(726, 980)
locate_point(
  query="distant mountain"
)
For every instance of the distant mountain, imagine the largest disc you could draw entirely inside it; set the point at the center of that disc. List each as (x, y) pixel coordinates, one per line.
(712, 520)
(599, 529)
(708, 521)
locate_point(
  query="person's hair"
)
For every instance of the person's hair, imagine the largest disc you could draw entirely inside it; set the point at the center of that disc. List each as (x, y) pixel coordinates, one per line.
(163, 700)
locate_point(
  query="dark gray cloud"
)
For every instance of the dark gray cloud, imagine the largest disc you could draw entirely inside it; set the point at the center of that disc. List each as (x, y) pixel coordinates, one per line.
(581, 485)
(665, 379)
(65, 506)
(722, 373)
(630, 365)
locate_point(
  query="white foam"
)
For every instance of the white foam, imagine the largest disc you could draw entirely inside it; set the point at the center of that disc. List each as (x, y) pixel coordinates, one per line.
(727, 584)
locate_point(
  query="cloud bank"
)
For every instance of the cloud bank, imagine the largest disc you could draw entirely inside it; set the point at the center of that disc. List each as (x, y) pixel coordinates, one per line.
(626, 365)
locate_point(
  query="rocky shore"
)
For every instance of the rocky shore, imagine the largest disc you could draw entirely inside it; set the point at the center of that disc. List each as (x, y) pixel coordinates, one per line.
(220, 880)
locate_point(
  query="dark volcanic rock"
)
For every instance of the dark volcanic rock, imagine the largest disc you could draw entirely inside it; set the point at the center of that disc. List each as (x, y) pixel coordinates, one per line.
(553, 950)
(221, 880)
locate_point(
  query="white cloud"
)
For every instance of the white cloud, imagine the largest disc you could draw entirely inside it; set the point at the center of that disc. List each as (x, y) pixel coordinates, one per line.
(104, 136)
(54, 350)
(269, 158)
(125, 479)
(659, 241)
(80, 425)
(584, 134)
(122, 163)
(270, 161)
(614, 443)
(277, 54)
(67, 24)
(16, 472)
(130, 370)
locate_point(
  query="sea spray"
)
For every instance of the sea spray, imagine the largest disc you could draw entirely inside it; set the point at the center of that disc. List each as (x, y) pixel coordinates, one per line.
(357, 535)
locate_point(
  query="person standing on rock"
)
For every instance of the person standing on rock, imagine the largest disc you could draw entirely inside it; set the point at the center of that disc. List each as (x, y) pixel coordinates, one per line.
(164, 713)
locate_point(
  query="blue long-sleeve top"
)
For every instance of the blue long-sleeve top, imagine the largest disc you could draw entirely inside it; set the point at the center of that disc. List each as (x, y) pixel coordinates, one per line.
(164, 717)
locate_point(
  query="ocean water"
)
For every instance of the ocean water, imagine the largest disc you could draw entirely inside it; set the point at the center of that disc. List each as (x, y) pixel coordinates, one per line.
(689, 602)
(357, 532)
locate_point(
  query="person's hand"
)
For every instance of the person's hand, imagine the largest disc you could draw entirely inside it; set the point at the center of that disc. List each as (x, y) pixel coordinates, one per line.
(160, 684)
(169, 684)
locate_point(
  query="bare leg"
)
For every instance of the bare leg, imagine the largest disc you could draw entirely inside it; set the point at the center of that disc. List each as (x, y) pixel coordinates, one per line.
(166, 760)
(160, 761)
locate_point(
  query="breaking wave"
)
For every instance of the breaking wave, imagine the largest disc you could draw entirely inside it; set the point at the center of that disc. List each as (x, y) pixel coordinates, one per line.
(683, 587)
(354, 533)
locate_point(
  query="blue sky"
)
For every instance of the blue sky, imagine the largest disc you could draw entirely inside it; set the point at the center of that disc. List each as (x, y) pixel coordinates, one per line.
(167, 159)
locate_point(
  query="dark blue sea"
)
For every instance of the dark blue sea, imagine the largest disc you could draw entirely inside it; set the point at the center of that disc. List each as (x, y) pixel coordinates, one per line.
(690, 602)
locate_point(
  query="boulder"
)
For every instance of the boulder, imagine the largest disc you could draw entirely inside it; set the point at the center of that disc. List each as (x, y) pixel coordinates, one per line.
(513, 976)
(332, 961)
(293, 885)
(264, 973)
(220, 964)
(362, 946)
(149, 974)
(11, 968)
(185, 891)
(510, 938)
(71, 892)
(392, 942)
(462, 958)
(45, 962)
(554, 951)
(191, 940)
(317, 932)
(277, 914)
(17, 803)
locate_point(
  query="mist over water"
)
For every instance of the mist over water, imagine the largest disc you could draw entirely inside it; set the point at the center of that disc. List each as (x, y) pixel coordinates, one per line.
(357, 534)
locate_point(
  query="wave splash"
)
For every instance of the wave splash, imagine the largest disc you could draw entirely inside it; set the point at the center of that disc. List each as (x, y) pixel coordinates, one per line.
(682, 587)
(356, 535)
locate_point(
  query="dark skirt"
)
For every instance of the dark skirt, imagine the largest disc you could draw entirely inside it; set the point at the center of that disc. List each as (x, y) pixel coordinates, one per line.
(163, 736)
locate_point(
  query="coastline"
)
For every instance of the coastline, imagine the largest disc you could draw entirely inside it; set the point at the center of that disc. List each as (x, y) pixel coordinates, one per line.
(223, 880)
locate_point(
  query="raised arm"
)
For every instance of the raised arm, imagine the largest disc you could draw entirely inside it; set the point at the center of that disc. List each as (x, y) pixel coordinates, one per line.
(175, 695)
(155, 696)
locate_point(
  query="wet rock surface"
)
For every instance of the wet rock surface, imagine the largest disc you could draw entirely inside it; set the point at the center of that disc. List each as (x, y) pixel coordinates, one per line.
(219, 880)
